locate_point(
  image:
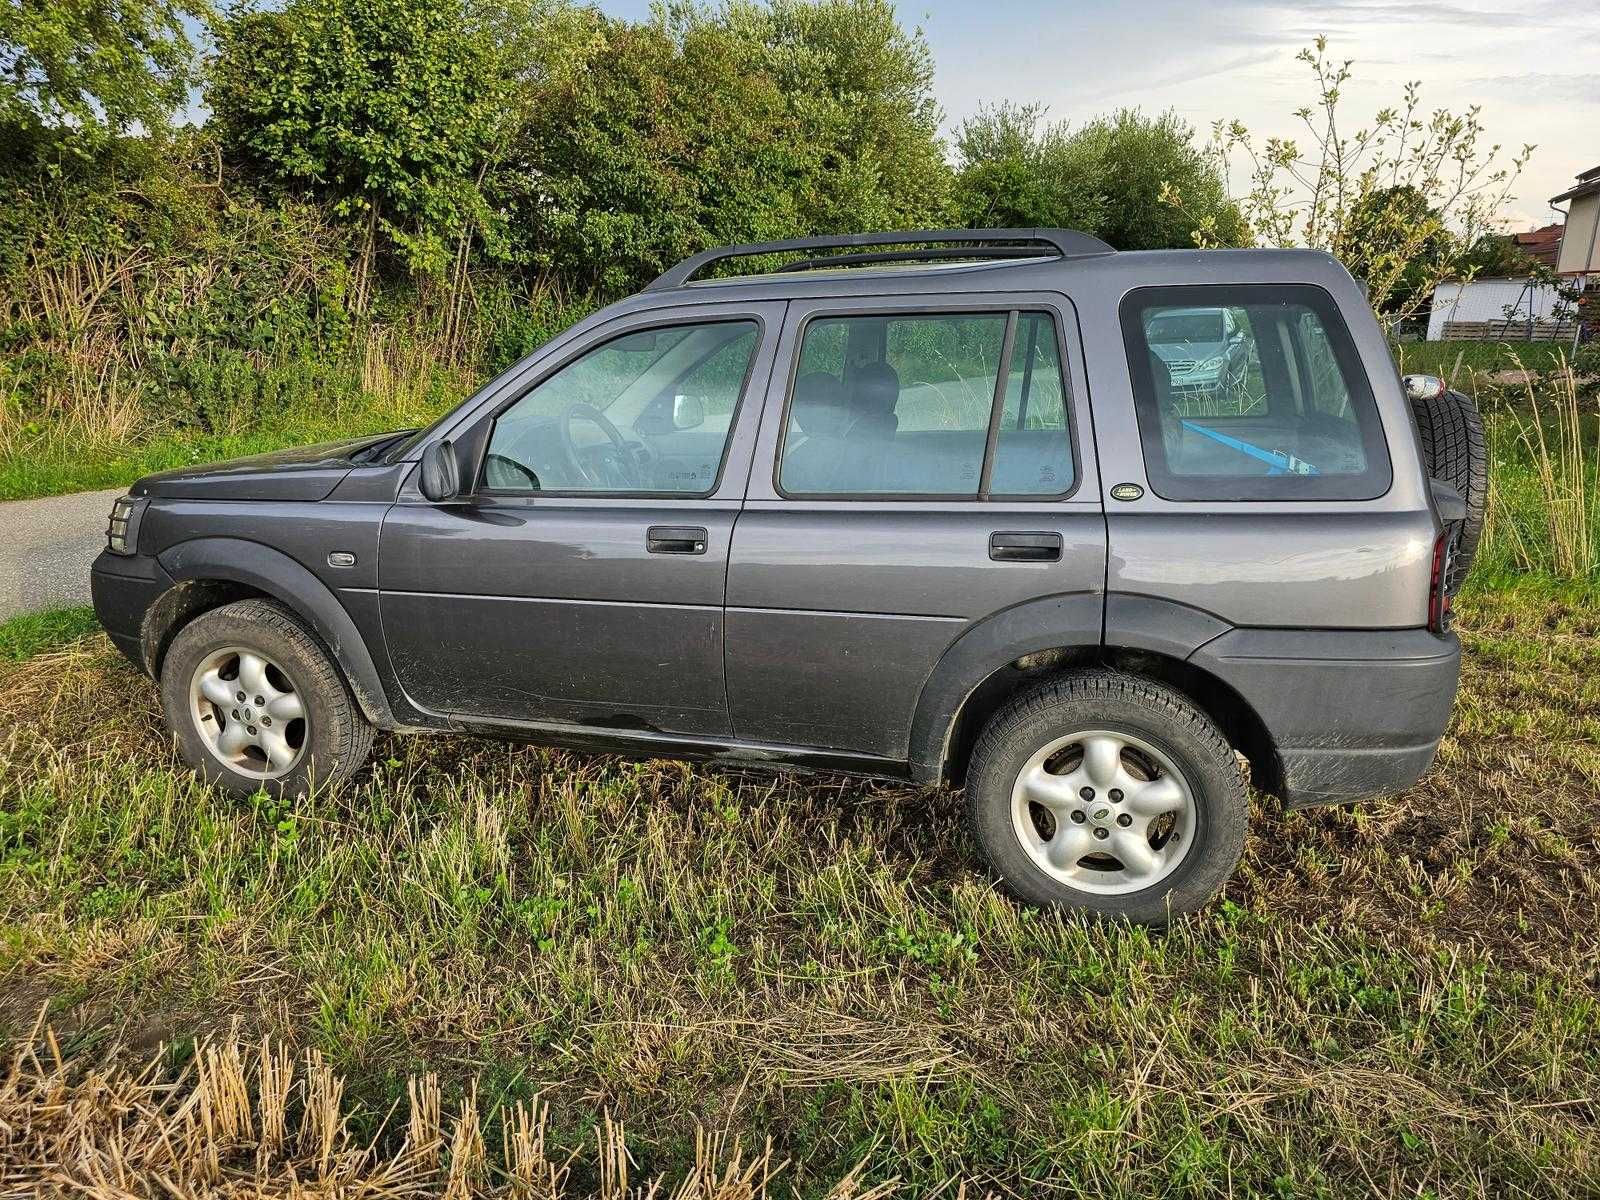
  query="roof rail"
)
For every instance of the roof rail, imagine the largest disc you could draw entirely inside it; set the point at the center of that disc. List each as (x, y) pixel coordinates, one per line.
(970, 243)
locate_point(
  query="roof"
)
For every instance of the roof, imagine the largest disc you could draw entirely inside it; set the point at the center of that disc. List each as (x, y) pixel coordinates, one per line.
(1112, 275)
(1039, 266)
(1588, 184)
(1541, 245)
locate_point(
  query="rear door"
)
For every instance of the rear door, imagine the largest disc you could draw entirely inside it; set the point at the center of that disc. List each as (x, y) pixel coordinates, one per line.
(920, 467)
(1264, 496)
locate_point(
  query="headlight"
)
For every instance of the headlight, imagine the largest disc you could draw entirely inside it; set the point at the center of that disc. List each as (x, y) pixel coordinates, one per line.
(1213, 363)
(122, 531)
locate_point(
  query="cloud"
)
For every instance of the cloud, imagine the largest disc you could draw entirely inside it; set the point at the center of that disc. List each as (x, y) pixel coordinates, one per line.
(1201, 71)
(1440, 12)
(1545, 86)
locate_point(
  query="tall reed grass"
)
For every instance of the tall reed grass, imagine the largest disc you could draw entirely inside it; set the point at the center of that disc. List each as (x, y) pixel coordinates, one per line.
(1543, 513)
(212, 325)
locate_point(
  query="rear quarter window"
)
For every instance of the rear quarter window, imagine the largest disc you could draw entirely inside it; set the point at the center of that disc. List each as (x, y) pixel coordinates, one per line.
(1251, 392)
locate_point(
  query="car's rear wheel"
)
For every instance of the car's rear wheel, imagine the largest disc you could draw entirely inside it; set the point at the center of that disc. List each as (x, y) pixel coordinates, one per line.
(255, 703)
(1108, 793)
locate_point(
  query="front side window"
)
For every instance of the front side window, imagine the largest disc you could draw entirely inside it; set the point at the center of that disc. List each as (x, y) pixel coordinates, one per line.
(904, 405)
(648, 412)
(1251, 392)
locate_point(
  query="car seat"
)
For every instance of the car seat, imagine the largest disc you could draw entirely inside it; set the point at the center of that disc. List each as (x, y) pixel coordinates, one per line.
(823, 417)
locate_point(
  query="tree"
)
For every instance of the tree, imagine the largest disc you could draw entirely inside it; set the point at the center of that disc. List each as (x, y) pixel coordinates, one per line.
(859, 89)
(1106, 177)
(1401, 201)
(1136, 158)
(1403, 239)
(83, 71)
(647, 142)
(641, 147)
(1496, 256)
(1016, 170)
(391, 111)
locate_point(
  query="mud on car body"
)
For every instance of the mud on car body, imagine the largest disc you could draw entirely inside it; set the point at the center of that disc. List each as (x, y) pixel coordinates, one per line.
(1087, 533)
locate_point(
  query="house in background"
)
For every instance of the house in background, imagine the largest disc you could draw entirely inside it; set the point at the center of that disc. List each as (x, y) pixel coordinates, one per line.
(1508, 310)
(1578, 261)
(1540, 245)
(1521, 307)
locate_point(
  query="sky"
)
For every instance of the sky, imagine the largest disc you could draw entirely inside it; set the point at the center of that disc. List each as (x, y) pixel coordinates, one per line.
(1532, 66)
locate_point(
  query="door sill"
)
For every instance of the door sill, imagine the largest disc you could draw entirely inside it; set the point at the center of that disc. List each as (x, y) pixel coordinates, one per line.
(653, 744)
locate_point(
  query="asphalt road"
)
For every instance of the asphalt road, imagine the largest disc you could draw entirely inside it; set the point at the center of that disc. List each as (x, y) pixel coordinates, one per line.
(46, 547)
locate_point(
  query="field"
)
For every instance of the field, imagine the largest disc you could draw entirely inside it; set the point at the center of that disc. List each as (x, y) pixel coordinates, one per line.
(1398, 999)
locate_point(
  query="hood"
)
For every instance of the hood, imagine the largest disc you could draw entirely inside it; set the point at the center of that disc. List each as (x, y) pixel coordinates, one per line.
(1198, 352)
(301, 473)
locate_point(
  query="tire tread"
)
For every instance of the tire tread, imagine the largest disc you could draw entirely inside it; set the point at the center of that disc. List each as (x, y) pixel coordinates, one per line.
(1455, 452)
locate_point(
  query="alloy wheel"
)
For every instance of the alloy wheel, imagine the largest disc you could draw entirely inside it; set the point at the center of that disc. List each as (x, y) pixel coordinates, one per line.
(248, 712)
(1103, 812)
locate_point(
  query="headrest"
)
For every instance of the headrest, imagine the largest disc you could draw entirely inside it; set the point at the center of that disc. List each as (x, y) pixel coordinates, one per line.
(875, 389)
(819, 405)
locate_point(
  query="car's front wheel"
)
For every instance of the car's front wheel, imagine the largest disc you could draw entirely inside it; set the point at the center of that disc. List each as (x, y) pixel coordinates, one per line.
(255, 703)
(1108, 793)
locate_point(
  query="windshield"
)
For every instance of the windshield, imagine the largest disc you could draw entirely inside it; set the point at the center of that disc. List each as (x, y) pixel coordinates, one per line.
(1186, 327)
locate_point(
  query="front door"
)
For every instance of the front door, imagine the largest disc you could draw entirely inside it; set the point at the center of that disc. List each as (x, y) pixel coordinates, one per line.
(919, 472)
(581, 582)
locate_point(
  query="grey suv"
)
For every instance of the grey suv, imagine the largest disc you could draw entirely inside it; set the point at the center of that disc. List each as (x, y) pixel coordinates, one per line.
(959, 507)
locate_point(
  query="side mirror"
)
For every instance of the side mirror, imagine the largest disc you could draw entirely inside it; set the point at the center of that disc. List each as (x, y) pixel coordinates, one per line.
(1423, 387)
(441, 473)
(688, 412)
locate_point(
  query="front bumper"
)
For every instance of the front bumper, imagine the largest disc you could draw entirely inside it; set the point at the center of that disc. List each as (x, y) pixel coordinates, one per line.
(124, 587)
(1198, 381)
(1351, 713)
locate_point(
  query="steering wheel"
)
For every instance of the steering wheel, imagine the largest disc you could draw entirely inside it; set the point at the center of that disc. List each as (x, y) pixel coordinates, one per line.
(498, 468)
(627, 465)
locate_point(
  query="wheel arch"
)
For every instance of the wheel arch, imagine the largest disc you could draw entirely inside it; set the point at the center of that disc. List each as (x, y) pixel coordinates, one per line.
(1142, 635)
(210, 572)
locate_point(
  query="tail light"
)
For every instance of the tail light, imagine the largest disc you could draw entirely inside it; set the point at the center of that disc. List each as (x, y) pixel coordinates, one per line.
(1438, 585)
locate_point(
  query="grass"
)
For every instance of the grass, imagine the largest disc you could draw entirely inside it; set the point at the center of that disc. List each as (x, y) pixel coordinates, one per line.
(57, 465)
(32, 633)
(56, 471)
(1401, 998)
(1543, 516)
(1462, 362)
(88, 400)
(103, 439)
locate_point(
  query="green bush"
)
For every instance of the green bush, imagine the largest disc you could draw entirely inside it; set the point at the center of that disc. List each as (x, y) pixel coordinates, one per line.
(1015, 169)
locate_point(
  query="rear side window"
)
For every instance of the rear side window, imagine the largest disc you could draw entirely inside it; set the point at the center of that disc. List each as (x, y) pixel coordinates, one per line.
(1251, 392)
(911, 405)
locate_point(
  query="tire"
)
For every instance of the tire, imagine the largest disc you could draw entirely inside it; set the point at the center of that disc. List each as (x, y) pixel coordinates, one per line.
(1154, 722)
(1454, 451)
(266, 747)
